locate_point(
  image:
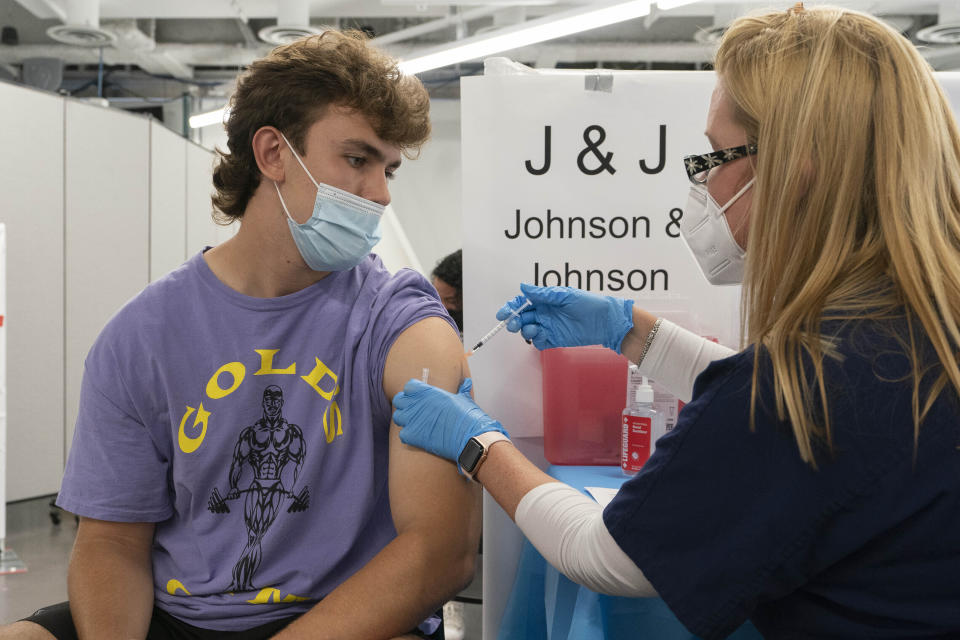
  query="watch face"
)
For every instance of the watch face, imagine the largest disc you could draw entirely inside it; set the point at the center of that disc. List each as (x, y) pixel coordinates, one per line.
(470, 455)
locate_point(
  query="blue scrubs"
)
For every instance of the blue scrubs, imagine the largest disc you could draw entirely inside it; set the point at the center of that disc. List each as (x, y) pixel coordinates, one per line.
(729, 524)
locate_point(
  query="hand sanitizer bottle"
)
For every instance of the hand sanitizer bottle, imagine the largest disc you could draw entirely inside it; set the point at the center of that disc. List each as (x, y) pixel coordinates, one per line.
(640, 426)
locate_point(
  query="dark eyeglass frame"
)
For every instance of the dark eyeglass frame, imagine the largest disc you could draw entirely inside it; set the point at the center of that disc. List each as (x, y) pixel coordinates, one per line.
(698, 167)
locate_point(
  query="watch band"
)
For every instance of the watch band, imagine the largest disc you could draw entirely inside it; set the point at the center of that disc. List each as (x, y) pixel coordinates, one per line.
(485, 440)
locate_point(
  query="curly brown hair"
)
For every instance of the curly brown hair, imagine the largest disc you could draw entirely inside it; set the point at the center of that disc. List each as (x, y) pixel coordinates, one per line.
(291, 89)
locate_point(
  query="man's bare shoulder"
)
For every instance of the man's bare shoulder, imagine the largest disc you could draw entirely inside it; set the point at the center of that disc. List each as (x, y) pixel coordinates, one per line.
(429, 343)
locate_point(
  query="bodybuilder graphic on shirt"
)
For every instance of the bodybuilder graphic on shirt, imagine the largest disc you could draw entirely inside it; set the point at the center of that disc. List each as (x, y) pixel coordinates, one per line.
(273, 448)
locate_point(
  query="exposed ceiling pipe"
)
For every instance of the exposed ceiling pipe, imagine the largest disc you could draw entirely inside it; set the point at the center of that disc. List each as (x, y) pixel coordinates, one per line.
(434, 25)
(209, 55)
(44, 9)
(249, 37)
(142, 48)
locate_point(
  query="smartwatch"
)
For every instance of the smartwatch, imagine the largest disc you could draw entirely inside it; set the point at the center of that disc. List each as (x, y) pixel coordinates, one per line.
(475, 452)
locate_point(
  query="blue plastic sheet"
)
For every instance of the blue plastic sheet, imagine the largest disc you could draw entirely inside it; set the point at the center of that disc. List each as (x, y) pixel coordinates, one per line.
(545, 605)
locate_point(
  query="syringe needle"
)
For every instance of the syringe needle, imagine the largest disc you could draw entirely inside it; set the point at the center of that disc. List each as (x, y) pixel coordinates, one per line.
(499, 327)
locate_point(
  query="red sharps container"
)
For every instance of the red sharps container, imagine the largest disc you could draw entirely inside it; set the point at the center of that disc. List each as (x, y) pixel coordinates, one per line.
(583, 391)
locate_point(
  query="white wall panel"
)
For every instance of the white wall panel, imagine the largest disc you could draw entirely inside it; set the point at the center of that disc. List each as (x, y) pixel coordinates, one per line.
(394, 247)
(168, 196)
(31, 184)
(427, 192)
(202, 231)
(3, 380)
(107, 212)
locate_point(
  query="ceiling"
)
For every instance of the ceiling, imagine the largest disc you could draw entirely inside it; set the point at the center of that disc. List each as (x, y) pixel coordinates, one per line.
(169, 50)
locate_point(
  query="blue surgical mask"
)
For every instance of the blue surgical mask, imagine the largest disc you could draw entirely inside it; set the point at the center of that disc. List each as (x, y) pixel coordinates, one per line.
(342, 229)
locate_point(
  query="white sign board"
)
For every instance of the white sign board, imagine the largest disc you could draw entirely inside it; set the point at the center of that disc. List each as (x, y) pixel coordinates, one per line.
(568, 185)
(597, 140)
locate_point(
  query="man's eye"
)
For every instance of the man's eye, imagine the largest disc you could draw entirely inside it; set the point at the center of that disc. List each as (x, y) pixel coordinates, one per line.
(356, 161)
(390, 175)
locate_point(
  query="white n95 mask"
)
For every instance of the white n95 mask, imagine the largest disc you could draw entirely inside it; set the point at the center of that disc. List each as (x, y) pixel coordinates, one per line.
(705, 230)
(342, 229)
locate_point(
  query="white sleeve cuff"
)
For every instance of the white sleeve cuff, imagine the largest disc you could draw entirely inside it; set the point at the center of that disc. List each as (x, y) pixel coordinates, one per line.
(567, 528)
(677, 356)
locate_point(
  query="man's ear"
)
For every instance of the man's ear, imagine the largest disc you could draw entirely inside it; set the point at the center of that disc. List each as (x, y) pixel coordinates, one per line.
(267, 144)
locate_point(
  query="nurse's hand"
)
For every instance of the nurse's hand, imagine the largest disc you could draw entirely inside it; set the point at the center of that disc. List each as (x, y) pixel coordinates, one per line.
(567, 317)
(439, 421)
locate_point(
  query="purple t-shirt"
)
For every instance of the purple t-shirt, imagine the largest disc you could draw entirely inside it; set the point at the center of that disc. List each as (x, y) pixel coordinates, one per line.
(253, 431)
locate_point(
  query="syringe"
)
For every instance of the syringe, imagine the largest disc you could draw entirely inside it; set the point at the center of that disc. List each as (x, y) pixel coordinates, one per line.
(499, 327)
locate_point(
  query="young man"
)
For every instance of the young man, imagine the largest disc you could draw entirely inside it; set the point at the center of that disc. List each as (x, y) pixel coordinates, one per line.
(234, 464)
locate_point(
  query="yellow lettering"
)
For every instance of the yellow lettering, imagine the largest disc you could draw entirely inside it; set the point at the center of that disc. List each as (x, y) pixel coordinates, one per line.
(265, 596)
(292, 598)
(320, 372)
(188, 444)
(266, 364)
(332, 421)
(173, 584)
(269, 594)
(235, 369)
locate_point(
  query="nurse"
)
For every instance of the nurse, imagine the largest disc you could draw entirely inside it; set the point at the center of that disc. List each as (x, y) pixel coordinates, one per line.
(812, 484)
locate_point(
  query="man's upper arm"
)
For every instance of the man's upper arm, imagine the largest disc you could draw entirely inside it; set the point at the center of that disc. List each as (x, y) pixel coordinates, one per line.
(135, 536)
(425, 490)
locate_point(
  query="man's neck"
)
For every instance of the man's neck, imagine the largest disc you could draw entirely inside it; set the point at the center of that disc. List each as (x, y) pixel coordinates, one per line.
(261, 260)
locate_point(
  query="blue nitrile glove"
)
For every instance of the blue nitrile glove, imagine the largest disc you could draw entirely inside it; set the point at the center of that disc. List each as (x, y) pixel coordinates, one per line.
(567, 317)
(439, 421)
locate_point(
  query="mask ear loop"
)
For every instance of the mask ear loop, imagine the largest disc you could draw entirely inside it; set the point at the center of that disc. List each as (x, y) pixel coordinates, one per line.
(297, 156)
(366, 204)
(738, 194)
(277, 187)
(730, 202)
(282, 203)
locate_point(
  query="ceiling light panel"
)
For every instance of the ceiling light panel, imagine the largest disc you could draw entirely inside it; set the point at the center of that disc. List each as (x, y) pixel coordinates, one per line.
(531, 32)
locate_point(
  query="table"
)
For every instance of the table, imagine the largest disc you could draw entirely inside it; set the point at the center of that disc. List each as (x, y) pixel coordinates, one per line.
(545, 605)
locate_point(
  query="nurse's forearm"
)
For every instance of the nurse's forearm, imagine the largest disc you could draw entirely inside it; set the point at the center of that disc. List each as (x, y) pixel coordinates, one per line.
(507, 476)
(568, 530)
(674, 357)
(563, 524)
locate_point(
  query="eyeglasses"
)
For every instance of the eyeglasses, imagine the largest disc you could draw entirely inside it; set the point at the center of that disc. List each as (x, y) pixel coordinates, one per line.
(698, 167)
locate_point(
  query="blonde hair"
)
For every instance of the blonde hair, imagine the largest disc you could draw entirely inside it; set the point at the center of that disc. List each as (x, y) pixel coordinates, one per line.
(856, 209)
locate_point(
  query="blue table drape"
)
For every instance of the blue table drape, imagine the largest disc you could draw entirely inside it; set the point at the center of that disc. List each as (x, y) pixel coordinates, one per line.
(545, 605)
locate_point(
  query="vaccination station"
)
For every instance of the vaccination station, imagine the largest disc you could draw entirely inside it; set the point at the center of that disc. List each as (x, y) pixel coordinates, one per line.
(479, 319)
